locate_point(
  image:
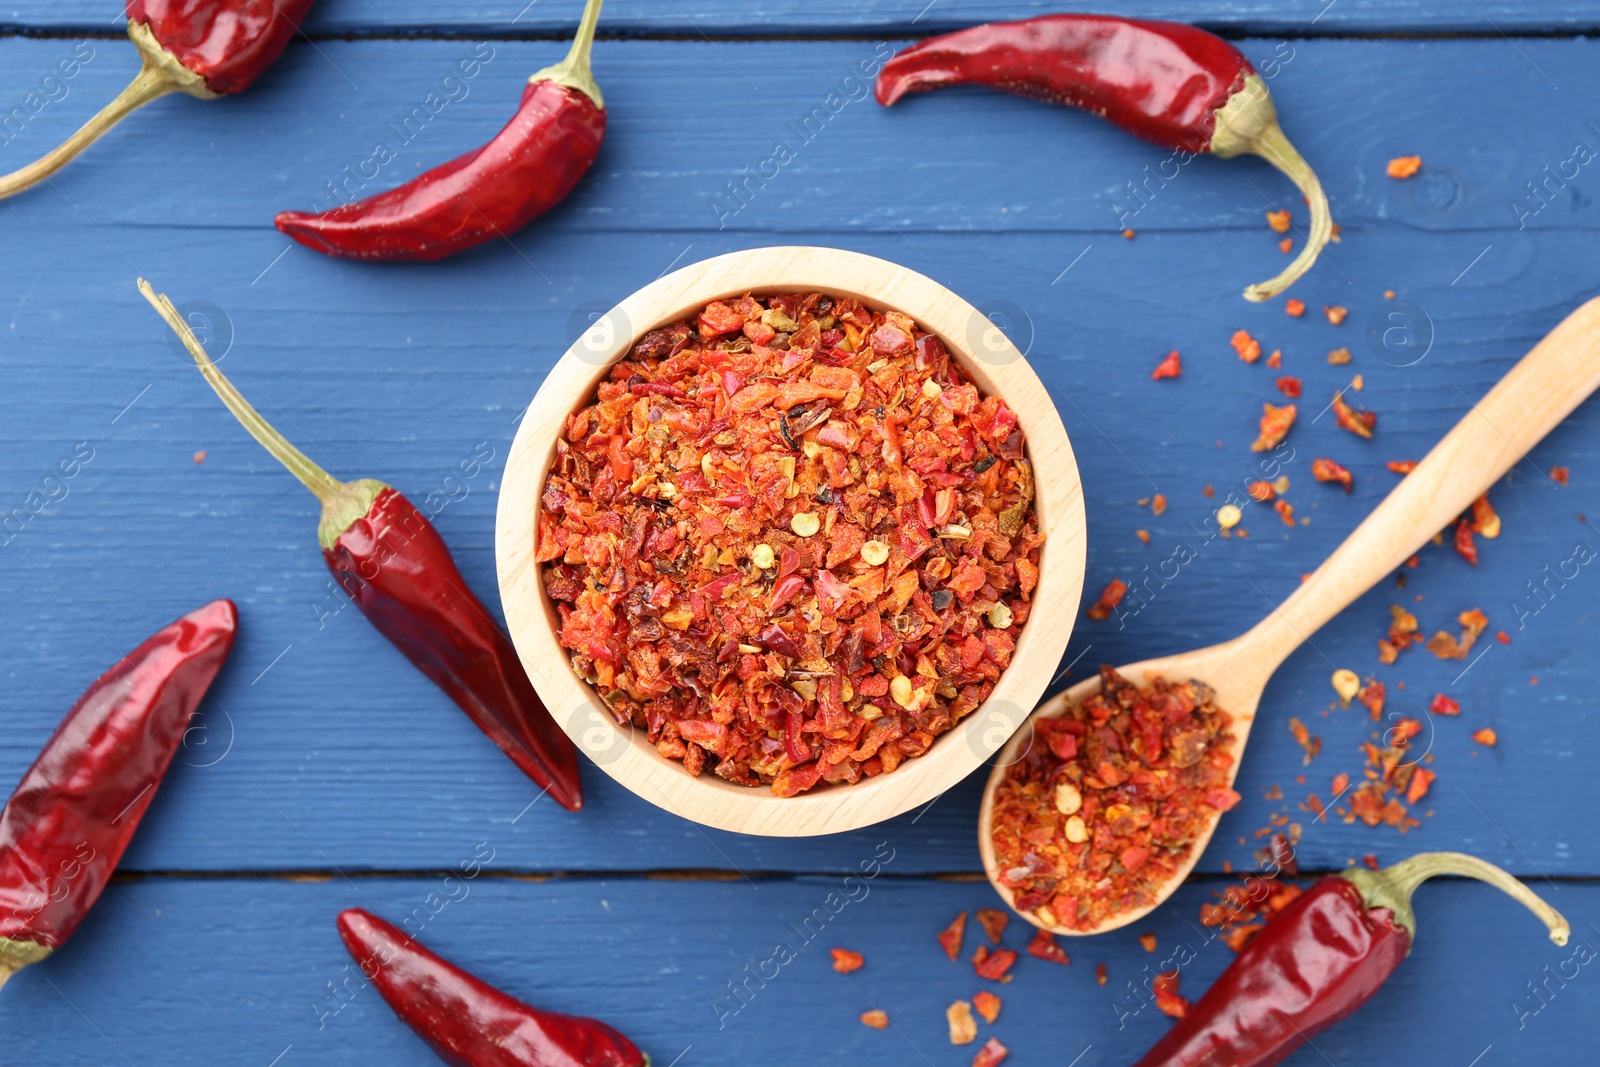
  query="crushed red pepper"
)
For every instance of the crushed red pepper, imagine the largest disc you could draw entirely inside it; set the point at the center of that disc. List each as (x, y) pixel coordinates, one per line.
(845, 961)
(1463, 542)
(992, 1051)
(1443, 705)
(1165, 987)
(680, 536)
(1248, 347)
(1294, 308)
(1559, 475)
(1360, 423)
(1109, 801)
(1170, 367)
(994, 923)
(950, 939)
(1110, 597)
(1289, 386)
(988, 1005)
(876, 1018)
(1275, 424)
(1448, 646)
(1403, 633)
(1044, 947)
(1326, 470)
(993, 965)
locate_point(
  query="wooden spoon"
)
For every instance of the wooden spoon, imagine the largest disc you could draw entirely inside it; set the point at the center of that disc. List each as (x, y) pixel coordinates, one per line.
(1540, 391)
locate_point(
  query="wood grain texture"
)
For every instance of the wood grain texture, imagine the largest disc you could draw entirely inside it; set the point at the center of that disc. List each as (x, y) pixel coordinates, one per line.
(995, 366)
(403, 373)
(731, 18)
(242, 971)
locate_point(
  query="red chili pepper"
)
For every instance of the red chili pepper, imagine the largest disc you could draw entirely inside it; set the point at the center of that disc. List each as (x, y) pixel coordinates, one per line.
(389, 559)
(1175, 85)
(69, 821)
(490, 192)
(1317, 961)
(206, 48)
(467, 1021)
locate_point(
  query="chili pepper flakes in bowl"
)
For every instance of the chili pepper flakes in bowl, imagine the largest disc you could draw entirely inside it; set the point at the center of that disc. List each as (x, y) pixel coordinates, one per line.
(789, 538)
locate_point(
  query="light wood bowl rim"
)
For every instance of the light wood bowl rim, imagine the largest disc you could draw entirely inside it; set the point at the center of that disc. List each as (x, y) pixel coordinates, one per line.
(626, 756)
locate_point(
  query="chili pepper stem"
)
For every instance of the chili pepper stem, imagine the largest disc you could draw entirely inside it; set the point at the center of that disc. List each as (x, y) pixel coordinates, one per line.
(343, 503)
(1392, 888)
(161, 74)
(573, 71)
(1248, 123)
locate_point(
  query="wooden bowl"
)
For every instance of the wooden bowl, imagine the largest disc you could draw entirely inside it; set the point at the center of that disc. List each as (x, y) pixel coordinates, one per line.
(997, 368)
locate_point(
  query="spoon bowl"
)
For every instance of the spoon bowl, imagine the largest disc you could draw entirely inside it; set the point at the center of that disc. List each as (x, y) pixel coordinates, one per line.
(1495, 435)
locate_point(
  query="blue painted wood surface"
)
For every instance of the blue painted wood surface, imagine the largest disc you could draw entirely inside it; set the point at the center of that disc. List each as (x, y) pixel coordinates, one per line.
(323, 756)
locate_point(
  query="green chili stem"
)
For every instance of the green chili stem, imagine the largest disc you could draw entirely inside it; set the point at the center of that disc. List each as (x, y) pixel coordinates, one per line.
(574, 70)
(1271, 145)
(15, 955)
(324, 485)
(1392, 887)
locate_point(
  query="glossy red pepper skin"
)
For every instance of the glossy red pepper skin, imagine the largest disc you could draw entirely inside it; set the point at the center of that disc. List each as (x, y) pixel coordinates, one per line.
(1162, 81)
(468, 1022)
(229, 43)
(70, 819)
(398, 570)
(1317, 961)
(491, 192)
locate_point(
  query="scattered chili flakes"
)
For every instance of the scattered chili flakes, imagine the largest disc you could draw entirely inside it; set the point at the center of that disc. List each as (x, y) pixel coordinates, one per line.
(1110, 597)
(1326, 470)
(1261, 492)
(845, 961)
(876, 1019)
(750, 545)
(1143, 536)
(988, 1005)
(1289, 387)
(1285, 511)
(990, 1054)
(1559, 475)
(1279, 221)
(1207, 492)
(1275, 360)
(963, 1027)
(1360, 423)
(1338, 357)
(1044, 946)
(1503, 637)
(1485, 520)
(1294, 308)
(1105, 808)
(1286, 245)
(1443, 705)
(994, 923)
(1248, 347)
(1275, 424)
(1170, 367)
(1148, 940)
(1100, 973)
(200, 456)
(1403, 633)
(1446, 646)
(1158, 505)
(1241, 904)
(1127, 235)
(1404, 166)
(993, 965)
(1302, 736)
(1402, 466)
(1371, 862)
(1335, 313)
(1372, 695)
(950, 939)
(1421, 779)
(1486, 737)
(1464, 545)
(1165, 987)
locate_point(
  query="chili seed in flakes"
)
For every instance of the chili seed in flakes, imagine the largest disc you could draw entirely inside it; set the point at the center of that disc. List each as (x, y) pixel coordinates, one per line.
(749, 536)
(963, 1027)
(1152, 766)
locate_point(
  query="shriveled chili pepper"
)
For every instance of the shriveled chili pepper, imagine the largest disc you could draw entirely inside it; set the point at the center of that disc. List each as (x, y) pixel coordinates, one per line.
(69, 821)
(389, 559)
(206, 48)
(1318, 960)
(1171, 84)
(490, 192)
(467, 1021)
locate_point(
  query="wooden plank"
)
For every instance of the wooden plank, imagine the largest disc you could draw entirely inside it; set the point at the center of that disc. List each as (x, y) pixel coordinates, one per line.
(727, 18)
(242, 971)
(410, 373)
(810, 147)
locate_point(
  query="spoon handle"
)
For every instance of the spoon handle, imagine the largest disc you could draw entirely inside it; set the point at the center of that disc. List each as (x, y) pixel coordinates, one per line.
(1497, 433)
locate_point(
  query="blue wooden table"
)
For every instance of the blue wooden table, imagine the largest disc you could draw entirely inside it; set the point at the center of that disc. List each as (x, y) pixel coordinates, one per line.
(329, 774)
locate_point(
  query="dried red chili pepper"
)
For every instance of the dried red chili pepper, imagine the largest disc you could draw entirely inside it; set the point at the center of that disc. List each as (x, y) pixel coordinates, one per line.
(206, 48)
(467, 1021)
(528, 168)
(1318, 960)
(71, 817)
(1175, 85)
(389, 559)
